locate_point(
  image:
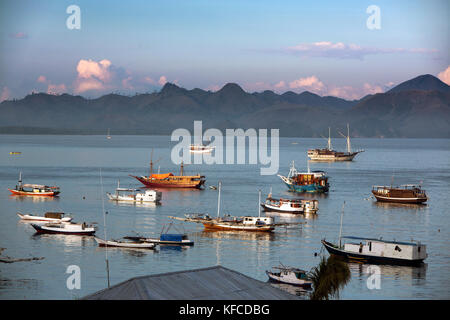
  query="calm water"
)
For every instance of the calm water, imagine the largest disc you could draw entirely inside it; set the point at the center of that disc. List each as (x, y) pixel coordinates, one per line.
(74, 162)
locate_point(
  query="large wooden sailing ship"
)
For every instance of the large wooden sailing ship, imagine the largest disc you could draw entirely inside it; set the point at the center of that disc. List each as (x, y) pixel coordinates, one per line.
(407, 193)
(169, 180)
(328, 154)
(311, 181)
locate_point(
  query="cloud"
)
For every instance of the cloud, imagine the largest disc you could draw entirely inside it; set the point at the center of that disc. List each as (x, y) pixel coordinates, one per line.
(162, 80)
(445, 75)
(5, 94)
(340, 50)
(93, 75)
(56, 89)
(18, 35)
(311, 83)
(41, 79)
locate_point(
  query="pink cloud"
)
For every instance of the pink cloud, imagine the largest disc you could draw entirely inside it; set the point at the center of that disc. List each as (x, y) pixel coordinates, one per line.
(18, 35)
(162, 80)
(445, 75)
(5, 94)
(42, 79)
(311, 83)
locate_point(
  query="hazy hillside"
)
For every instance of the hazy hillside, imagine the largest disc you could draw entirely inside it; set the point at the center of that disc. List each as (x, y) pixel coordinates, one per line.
(419, 107)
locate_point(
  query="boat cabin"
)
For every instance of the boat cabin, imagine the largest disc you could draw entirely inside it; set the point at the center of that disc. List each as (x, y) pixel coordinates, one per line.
(388, 249)
(257, 220)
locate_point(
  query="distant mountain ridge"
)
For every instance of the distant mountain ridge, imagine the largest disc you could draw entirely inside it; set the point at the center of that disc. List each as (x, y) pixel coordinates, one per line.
(417, 108)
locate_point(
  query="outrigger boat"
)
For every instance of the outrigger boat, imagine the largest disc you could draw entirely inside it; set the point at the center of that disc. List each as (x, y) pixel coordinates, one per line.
(134, 196)
(377, 251)
(329, 154)
(289, 275)
(55, 217)
(130, 243)
(408, 193)
(199, 148)
(311, 181)
(294, 206)
(169, 180)
(228, 222)
(71, 228)
(22, 189)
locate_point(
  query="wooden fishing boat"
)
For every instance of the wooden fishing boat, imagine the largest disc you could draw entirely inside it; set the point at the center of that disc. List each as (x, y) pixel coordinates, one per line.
(294, 206)
(376, 251)
(328, 154)
(311, 181)
(130, 243)
(232, 223)
(289, 275)
(55, 217)
(407, 193)
(34, 189)
(131, 195)
(15, 152)
(169, 180)
(70, 228)
(167, 238)
(199, 148)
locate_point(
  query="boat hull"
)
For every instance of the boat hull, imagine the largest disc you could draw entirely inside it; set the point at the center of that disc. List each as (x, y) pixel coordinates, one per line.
(416, 200)
(128, 245)
(27, 217)
(41, 194)
(363, 258)
(40, 229)
(225, 227)
(307, 188)
(275, 209)
(170, 184)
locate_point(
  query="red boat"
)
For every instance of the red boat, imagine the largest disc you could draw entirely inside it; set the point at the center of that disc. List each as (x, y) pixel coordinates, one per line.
(34, 189)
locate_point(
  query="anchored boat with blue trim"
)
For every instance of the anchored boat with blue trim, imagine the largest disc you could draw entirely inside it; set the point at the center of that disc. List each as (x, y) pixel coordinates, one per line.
(311, 181)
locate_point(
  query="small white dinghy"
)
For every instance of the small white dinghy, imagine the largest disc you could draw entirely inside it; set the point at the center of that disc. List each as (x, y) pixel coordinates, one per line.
(82, 229)
(136, 244)
(289, 275)
(55, 217)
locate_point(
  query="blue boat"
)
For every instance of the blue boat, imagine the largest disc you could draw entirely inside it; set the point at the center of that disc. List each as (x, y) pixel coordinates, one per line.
(311, 181)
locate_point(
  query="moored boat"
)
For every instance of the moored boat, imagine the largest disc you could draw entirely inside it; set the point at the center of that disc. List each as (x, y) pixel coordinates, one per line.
(328, 154)
(132, 195)
(169, 180)
(69, 228)
(228, 222)
(199, 148)
(407, 193)
(311, 181)
(377, 251)
(55, 217)
(22, 189)
(294, 206)
(167, 238)
(129, 243)
(289, 275)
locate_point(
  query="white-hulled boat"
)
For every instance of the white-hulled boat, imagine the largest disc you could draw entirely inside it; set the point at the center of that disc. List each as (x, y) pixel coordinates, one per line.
(132, 195)
(283, 205)
(199, 148)
(131, 243)
(71, 228)
(289, 275)
(54, 217)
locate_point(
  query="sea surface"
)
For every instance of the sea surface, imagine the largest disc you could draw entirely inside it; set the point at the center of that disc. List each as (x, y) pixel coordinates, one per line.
(78, 164)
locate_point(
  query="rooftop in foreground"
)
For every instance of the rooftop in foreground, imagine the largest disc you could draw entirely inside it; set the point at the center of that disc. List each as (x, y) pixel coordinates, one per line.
(212, 283)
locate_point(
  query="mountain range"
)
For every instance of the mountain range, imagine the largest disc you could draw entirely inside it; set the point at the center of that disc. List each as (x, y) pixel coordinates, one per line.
(417, 108)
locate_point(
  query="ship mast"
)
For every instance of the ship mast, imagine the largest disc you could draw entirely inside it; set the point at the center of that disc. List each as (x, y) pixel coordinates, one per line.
(218, 200)
(181, 168)
(349, 149)
(329, 139)
(259, 203)
(340, 229)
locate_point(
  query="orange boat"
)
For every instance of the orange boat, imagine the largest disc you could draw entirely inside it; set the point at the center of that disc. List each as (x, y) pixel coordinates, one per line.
(169, 180)
(34, 189)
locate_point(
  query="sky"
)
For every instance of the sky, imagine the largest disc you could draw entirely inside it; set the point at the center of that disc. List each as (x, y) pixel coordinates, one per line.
(129, 47)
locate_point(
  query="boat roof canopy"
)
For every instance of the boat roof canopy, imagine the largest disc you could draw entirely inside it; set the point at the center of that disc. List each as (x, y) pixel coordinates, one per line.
(161, 175)
(380, 240)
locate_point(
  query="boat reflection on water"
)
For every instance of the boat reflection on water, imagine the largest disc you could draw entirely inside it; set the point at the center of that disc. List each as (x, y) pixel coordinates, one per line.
(400, 206)
(238, 235)
(295, 290)
(292, 217)
(68, 240)
(132, 252)
(31, 198)
(151, 205)
(390, 271)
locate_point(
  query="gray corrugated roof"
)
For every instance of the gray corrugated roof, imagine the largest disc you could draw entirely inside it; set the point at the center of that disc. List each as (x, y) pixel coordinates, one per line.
(213, 283)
